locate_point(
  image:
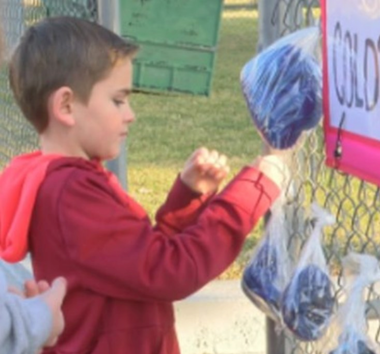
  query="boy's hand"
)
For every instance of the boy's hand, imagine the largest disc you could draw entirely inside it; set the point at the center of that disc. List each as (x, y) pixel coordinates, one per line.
(274, 167)
(205, 170)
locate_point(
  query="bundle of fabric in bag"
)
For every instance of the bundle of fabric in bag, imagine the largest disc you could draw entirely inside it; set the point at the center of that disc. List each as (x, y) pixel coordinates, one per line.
(258, 281)
(266, 275)
(348, 333)
(282, 86)
(308, 303)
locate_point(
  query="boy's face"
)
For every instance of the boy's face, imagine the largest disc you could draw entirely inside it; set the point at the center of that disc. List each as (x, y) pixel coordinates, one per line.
(102, 123)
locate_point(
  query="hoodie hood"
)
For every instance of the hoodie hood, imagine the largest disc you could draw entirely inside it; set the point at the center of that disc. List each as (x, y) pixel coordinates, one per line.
(19, 184)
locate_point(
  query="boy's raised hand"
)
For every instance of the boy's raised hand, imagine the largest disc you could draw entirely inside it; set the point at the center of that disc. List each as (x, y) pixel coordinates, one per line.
(205, 170)
(274, 166)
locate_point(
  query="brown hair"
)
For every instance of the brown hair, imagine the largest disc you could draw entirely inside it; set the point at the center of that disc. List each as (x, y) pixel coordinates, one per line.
(62, 51)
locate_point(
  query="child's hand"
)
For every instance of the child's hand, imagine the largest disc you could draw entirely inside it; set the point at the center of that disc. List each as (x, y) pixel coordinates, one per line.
(53, 296)
(274, 167)
(205, 170)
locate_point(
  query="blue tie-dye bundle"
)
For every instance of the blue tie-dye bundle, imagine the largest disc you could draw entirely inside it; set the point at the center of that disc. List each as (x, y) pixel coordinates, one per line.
(268, 271)
(283, 88)
(259, 281)
(308, 303)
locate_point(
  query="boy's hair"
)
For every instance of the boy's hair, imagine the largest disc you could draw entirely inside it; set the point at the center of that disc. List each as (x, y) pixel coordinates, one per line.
(62, 51)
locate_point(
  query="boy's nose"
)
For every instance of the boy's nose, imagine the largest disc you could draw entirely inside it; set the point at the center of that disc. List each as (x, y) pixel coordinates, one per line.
(129, 116)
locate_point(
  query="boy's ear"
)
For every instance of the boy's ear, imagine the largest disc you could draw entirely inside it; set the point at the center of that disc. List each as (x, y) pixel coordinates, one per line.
(61, 104)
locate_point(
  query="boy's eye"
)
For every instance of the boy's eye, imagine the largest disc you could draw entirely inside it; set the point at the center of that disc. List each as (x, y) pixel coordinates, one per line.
(118, 102)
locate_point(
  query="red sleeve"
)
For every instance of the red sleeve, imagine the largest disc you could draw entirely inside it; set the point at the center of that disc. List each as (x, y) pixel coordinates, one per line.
(181, 208)
(118, 253)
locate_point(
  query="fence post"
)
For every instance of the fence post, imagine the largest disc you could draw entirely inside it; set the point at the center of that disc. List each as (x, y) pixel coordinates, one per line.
(269, 23)
(109, 16)
(270, 29)
(276, 19)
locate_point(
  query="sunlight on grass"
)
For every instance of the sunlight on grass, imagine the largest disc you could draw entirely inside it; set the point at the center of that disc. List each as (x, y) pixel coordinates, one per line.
(240, 14)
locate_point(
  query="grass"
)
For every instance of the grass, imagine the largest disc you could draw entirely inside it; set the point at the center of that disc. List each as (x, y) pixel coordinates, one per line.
(170, 126)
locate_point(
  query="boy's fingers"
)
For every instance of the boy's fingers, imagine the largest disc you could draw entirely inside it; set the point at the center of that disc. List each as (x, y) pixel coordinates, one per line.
(213, 156)
(222, 161)
(217, 172)
(200, 153)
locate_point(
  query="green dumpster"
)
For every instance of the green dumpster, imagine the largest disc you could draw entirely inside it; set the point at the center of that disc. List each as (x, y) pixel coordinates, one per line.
(178, 40)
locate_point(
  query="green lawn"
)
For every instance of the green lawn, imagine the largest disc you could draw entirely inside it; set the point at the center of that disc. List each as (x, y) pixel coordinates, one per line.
(170, 126)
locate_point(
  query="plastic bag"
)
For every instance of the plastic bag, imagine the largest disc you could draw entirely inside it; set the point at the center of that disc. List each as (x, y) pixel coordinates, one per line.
(349, 336)
(308, 301)
(282, 86)
(268, 271)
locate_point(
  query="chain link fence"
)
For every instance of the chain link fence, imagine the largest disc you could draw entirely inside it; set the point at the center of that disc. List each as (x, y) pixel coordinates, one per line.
(16, 135)
(355, 203)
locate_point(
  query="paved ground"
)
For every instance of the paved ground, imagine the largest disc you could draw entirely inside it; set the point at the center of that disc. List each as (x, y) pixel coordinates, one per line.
(219, 319)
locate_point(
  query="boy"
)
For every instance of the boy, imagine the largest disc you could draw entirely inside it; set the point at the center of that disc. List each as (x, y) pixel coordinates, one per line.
(72, 80)
(27, 324)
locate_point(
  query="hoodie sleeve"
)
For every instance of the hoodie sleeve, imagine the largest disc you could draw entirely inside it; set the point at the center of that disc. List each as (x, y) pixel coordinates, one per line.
(181, 208)
(116, 251)
(25, 323)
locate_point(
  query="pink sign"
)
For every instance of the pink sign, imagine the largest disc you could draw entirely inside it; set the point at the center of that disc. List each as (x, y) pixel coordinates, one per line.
(351, 85)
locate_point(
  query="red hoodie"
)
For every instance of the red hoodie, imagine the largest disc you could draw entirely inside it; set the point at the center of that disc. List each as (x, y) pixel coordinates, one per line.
(123, 273)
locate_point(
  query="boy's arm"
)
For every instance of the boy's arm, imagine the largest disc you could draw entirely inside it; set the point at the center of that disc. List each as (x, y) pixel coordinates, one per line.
(25, 324)
(199, 180)
(181, 208)
(113, 249)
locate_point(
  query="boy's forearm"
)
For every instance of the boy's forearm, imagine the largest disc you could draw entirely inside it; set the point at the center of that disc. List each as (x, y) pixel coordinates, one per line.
(181, 208)
(247, 183)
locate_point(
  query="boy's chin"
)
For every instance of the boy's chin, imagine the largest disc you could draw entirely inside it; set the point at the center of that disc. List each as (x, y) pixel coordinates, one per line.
(110, 157)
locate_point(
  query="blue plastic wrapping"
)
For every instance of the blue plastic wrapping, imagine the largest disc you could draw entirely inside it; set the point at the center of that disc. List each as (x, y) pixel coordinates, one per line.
(268, 271)
(308, 302)
(348, 335)
(282, 86)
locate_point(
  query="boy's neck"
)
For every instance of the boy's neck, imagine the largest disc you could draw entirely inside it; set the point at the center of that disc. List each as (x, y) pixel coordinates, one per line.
(60, 147)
